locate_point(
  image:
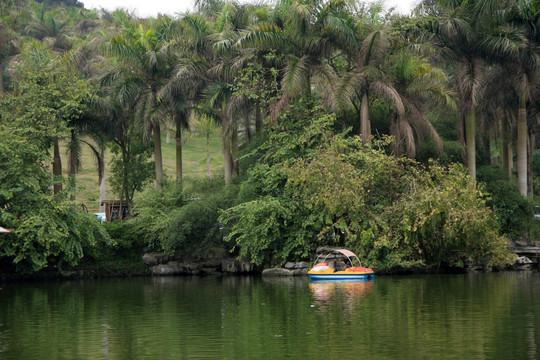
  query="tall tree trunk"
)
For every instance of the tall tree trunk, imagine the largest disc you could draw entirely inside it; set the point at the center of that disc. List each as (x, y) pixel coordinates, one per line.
(494, 160)
(57, 168)
(511, 161)
(522, 148)
(258, 120)
(530, 152)
(227, 159)
(208, 171)
(102, 182)
(247, 127)
(125, 162)
(167, 137)
(227, 155)
(234, 148)
(505, 141)
(365, 124)
(1, 78)
(158, 158)
(102, 192)
(72, 163)
(470, 139)
(179, 165)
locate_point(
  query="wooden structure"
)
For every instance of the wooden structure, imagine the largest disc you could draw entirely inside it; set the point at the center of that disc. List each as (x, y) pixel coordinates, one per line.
(116, 210)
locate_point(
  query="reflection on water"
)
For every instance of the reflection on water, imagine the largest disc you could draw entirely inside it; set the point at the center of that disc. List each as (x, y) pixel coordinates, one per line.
(324, 291)
(477, 316)
(347, 293)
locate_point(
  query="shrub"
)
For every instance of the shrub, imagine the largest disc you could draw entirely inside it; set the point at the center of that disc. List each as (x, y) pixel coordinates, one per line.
(512, 210)
(184, 219)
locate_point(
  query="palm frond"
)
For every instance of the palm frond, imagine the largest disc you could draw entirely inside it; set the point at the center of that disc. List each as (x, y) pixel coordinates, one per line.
(98, 153)
(406, 131)
(455, 26)
(373, 48)
(294, 78)
(390, 94)
(224, 47)
(470, 76)
(504, 42)
(194, 67)
(422, 125)
(346, 89)
(264, 36)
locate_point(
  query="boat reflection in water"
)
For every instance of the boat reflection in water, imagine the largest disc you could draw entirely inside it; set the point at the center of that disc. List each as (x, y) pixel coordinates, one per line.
(325, 291)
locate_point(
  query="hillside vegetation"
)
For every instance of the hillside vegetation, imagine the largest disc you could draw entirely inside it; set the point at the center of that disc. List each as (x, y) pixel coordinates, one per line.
(409, 139)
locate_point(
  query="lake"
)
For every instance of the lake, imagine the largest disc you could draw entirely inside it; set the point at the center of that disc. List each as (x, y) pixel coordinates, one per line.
(468, 316)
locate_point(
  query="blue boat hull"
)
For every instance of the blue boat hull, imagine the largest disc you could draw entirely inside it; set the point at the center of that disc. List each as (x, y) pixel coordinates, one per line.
(340, 276)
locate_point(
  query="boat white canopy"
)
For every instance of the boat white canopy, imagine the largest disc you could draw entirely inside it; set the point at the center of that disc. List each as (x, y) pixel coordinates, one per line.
(347, 253)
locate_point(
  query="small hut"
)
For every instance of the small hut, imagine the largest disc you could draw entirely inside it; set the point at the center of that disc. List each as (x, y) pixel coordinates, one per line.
(116, 210)
(4, 231)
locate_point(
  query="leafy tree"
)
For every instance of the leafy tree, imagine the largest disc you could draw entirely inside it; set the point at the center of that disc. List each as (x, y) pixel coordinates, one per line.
(57, 98)
(130, 167)
(258, 82)
(45, 226)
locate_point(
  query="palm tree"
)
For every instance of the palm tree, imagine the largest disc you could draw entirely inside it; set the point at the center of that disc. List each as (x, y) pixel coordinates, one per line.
(190, 42)
(206, 64)
(368, 77)
(499, 110)
(514, 42)
(458, 31)
(417, 82)
(50, 27)
(144, 65)
(526, 83)
(306, 33)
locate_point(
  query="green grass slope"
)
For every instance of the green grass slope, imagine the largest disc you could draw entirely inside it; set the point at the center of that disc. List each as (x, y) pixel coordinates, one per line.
(194, 166)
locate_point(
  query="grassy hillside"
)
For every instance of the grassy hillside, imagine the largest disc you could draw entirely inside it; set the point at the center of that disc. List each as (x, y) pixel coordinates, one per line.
(194, 165)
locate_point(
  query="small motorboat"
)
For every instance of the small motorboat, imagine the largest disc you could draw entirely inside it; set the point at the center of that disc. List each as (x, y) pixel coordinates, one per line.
(348, 268)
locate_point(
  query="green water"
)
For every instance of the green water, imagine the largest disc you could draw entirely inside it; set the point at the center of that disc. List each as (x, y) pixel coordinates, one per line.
(477, 316)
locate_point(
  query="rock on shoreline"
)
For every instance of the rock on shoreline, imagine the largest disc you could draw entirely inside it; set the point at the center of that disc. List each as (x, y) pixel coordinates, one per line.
(163, 264)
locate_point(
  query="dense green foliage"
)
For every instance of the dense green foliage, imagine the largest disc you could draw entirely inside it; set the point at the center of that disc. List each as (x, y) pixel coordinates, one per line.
(130, 167)
(513, 211)
(340, 124)
(184, 218)
(315, 188)
(45, 226)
